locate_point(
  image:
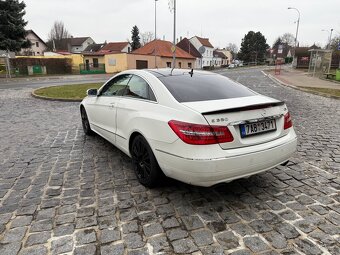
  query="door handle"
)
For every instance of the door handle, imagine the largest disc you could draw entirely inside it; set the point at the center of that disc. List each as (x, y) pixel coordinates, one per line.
(112, 105)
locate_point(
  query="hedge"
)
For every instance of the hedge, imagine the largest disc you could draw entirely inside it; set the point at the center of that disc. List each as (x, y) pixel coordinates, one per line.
(53, 65)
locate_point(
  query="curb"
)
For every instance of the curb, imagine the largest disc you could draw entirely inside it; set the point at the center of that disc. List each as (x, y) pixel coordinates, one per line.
(33, 94)
(276, 80)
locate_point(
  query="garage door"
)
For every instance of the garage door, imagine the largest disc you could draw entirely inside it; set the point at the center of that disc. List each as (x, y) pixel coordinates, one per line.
(141, 64)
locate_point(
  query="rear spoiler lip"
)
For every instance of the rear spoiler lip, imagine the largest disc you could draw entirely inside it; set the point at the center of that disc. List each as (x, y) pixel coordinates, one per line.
(245, 108)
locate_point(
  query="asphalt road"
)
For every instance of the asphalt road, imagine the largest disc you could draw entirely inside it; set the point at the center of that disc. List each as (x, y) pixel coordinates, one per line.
(64, 193)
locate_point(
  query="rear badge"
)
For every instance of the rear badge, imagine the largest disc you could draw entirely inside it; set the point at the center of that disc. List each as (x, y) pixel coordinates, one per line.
(219, 120)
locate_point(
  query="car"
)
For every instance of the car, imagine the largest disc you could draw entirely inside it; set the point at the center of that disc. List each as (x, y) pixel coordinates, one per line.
(194, 126)
(231, 66)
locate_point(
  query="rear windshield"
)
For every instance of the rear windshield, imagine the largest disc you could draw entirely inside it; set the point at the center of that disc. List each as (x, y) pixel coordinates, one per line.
(203, 87)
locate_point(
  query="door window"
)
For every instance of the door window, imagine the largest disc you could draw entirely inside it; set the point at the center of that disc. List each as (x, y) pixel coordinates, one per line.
(116, 86)
(139, 88)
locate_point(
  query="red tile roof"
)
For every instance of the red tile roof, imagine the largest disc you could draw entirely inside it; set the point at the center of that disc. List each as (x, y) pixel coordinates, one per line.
(163, 49)
(205, 42)
(114, 46)
(187, 46)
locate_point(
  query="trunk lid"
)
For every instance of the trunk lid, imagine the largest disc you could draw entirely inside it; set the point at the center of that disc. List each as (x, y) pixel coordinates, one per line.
(239, 114)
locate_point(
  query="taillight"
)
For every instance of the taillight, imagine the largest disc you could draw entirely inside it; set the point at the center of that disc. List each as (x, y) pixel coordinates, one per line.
(200, 134)
(288, 121)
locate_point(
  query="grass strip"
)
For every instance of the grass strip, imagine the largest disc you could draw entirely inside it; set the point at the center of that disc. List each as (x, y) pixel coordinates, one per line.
(74, 91)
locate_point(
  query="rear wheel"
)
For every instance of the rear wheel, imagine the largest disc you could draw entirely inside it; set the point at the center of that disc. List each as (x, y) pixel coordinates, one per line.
(85, 122)
(145, 163)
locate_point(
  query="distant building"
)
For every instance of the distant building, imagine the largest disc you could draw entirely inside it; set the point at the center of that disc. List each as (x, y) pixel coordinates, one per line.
(162, 50)
(188, 47)
(228, 55)
(74, 44)
(116, 47)
(38, 46)
(95, 47)
(207, 47)
(220, 59)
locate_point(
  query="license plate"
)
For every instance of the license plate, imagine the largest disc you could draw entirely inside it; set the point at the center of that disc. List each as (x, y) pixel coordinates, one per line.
(257, 127)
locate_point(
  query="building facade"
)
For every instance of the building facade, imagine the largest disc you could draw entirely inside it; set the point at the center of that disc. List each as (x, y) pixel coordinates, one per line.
(207, 50)
(38, 46)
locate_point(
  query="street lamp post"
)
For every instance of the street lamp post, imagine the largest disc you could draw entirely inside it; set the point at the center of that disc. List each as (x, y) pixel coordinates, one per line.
(329, 37)
(297, 28)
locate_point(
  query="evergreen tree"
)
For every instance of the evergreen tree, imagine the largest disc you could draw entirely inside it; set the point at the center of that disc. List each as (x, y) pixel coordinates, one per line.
(253, 47)
(12, 26)
(135, 44)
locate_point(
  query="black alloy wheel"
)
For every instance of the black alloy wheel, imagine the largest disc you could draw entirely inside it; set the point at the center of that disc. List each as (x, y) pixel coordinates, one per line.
(145, 163)
(85, 121)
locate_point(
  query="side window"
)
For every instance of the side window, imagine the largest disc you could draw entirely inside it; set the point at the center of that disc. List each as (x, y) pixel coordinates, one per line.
(139, 88)
(116, 86)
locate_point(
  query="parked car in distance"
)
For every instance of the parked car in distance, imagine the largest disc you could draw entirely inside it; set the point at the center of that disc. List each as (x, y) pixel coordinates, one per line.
(231, 65)
(194, 126)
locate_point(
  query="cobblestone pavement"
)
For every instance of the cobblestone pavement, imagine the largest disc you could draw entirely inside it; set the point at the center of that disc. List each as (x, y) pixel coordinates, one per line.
(64, 193)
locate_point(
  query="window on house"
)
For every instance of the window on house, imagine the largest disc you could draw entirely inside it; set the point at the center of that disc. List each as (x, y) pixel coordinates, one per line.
(38, 53)
(129, 49)
(180, 64)
(189, 65)
(168, 64)
(37, 44)
(95, 62)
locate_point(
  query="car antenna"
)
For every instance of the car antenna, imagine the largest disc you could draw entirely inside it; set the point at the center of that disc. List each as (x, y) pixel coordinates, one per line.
(191, 72)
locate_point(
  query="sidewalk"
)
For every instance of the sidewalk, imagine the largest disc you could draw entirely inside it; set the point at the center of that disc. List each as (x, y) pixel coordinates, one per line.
(74, 77)
(297, 78)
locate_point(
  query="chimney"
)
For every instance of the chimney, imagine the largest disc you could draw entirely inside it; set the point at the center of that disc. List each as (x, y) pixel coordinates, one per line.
(180, 38)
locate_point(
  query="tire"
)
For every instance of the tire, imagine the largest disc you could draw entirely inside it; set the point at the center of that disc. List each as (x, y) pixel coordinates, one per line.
(144, 162)
(85, 122)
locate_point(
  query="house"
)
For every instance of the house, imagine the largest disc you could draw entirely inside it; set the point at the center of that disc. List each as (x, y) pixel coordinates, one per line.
(116, 47)
(94, 47)
(161, 56)
(219, 58)
(75, 44)
(228, 55)
(188, 47)
(38, 46)
(205, 48)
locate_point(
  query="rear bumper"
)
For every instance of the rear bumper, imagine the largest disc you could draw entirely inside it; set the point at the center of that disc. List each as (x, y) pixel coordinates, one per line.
(207, 172)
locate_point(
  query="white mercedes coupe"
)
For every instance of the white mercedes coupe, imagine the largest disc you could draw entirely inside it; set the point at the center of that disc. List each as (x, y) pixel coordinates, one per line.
(194, 126)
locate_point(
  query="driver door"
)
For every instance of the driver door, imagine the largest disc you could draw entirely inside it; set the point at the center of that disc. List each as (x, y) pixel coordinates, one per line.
(102, 110)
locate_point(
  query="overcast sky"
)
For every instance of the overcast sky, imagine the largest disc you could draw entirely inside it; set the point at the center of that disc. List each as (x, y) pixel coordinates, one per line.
(222, 21)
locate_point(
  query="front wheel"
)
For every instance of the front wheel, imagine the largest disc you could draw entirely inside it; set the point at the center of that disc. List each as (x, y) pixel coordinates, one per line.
(145, 163)
(85, 122)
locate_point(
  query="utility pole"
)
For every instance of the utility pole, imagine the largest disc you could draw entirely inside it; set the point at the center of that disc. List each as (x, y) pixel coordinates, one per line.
(155, 31)
(174, 42)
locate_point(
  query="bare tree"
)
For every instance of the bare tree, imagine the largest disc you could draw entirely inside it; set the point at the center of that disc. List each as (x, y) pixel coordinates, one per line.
(232, 47)
(288, 38)
(56, 36)
(146, 37)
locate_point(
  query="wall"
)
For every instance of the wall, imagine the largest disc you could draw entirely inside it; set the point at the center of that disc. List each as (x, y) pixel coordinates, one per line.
(131, 60)
(115, 62)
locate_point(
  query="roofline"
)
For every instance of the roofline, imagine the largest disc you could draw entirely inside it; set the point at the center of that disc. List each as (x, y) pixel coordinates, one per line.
(30, 30)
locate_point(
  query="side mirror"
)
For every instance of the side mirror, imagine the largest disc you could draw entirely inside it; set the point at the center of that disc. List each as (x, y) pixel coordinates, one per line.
(92, 92)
